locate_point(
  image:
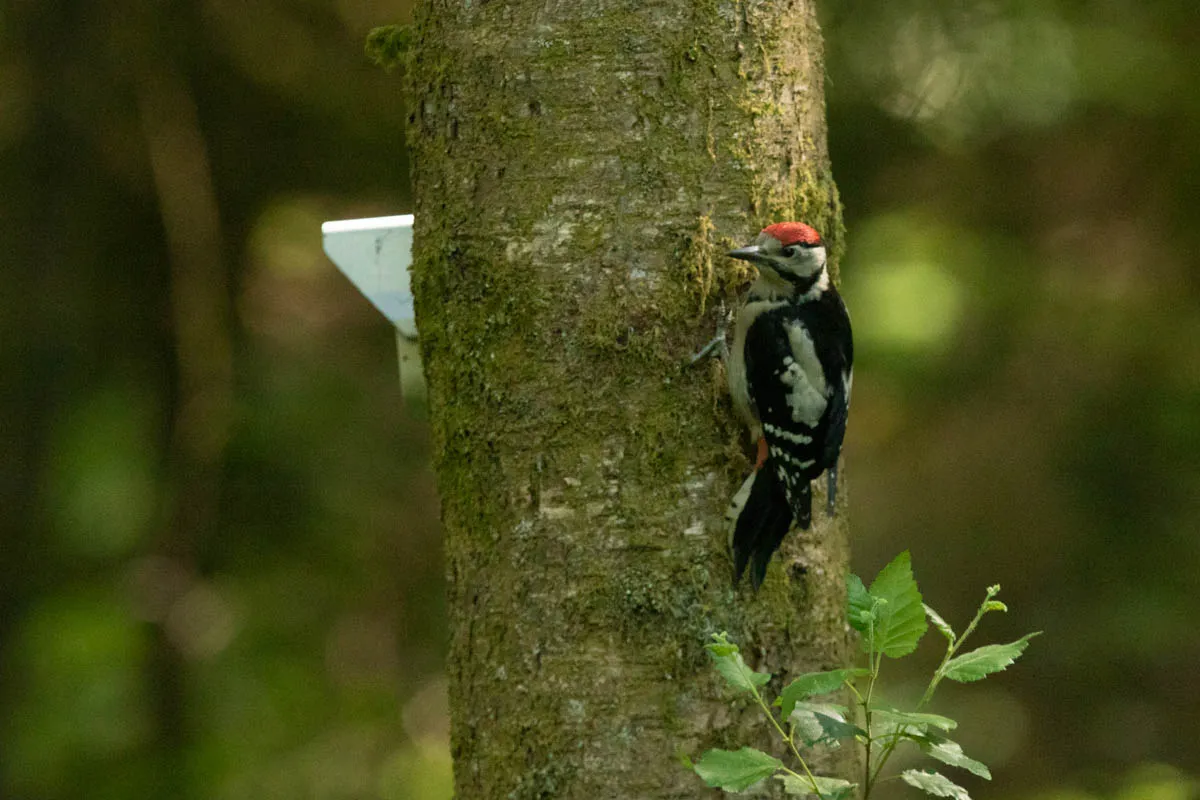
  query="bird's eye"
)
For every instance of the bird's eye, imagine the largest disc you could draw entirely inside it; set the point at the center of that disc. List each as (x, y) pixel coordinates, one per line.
(791, 252)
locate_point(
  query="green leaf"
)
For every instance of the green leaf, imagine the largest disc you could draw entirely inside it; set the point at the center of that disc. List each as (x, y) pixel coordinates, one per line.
(835, 788)
(721, 646)
(980, 663)
(813, 684)
(728, 661)
(951, 753)
(830, 788)
(934, 783)
(900, 617)
(822, 722)
(860, 602)
(834, 728)
(939, 623)
(994, 605)
(806, 727)
(735, 771)
(884, 733)
(920, 721)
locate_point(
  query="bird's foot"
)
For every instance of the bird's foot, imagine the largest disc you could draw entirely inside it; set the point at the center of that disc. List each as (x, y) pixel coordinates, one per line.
(717, 344)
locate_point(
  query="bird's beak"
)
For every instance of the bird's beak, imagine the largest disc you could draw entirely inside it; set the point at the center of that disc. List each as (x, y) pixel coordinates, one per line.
(753, 253)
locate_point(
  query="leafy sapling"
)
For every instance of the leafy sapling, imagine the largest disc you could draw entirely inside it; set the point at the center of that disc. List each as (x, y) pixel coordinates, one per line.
(737, 770)
(891, 618)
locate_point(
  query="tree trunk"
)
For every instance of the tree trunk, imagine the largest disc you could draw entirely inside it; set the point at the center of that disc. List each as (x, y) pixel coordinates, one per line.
(580, 168)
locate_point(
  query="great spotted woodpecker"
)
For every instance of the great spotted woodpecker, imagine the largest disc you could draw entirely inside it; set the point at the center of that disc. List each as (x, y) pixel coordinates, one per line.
(790, 373)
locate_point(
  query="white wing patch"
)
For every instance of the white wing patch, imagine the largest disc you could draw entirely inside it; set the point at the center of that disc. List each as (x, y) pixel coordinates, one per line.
(808, 395)
(794, 438)
(791, 459)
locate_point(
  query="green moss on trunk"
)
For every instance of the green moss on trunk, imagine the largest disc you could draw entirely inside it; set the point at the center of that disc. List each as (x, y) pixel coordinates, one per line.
(580, 167)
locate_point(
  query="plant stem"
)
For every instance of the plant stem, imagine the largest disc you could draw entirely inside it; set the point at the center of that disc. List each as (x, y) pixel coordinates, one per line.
(951, 649)
(938, 674)
(791, 744)
(786, 737)
(874, 662)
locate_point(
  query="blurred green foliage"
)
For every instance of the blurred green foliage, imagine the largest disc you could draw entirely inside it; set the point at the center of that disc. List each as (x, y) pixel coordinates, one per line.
(219, 558)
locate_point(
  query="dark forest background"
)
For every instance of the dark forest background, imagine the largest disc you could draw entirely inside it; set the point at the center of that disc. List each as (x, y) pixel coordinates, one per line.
(219, 551)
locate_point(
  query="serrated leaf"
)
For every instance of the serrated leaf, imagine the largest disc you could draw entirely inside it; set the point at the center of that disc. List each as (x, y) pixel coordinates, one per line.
(834, 728)
(806, 727)
(913, 719)
(810, 720)
(728, 661)
(934, 783)
(951, 753)
(980, 663)
(939, 623)
(830, 788)
(736, 770)
(721, 645)
(860, 602)
(883, 732)
(813, 684)
(831, 709)
(900, 620)
(822, 722)
(795, 785)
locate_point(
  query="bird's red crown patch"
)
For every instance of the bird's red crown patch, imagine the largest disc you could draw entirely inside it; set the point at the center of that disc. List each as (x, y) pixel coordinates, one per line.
(790, 233)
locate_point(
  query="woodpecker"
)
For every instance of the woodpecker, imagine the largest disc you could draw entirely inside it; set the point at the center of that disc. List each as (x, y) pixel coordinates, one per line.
(790, 373)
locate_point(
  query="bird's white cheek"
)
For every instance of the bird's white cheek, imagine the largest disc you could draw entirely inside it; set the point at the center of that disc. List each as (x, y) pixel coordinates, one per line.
(820, 255)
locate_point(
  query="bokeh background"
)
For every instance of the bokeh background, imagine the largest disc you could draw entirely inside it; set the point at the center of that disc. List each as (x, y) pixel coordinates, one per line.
(219, 551)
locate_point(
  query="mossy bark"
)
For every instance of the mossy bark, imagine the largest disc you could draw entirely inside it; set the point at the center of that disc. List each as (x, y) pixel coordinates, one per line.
(580, 166)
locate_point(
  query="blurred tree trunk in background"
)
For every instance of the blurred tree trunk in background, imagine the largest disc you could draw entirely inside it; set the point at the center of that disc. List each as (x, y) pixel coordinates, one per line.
(580, 168)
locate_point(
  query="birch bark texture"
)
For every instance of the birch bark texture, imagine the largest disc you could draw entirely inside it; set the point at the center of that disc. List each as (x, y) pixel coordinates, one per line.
(580, 167)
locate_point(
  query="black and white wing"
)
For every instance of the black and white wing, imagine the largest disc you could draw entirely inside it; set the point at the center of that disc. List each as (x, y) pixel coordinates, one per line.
(837, 356)
(792, 396)
(798, 359)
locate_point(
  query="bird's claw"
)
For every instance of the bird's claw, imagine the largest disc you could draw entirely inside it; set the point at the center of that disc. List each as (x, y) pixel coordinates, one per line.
(717, 343)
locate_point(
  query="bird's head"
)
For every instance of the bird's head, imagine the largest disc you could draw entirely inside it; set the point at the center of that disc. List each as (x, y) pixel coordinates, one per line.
(791, 252)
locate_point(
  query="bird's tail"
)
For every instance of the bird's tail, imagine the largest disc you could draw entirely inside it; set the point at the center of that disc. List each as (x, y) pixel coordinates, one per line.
(759, 518)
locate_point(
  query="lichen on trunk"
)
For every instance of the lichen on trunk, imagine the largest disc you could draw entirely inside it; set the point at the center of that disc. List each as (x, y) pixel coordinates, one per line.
(580, 167)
